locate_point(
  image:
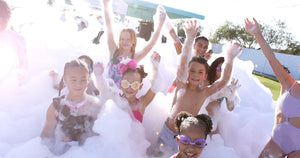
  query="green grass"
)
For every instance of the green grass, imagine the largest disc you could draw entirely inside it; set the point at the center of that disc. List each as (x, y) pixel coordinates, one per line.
(274, 86)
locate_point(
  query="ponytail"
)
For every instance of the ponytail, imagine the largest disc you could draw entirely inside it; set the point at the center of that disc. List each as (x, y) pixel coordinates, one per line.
(60, 86)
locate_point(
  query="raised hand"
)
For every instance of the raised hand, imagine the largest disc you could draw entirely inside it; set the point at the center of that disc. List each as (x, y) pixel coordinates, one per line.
(232, 98)
(98, 69)
(234, 85)
(160, 15)
(155, 57)
(191, 28)
(252, 27)
(232, 50)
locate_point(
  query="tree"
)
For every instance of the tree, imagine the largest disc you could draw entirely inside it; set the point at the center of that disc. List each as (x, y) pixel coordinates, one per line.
(229, 31)
(293, 48)
(277, 36)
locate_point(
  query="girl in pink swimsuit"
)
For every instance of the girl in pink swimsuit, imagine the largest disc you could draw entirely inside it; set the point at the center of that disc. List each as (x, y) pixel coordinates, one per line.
(131, 83)
(126, 47)
(286, 132)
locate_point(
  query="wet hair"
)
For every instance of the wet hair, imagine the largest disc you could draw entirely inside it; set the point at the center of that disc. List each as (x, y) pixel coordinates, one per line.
(200, 60)
(85, 57)
(184, 120)
(140, 70)
(211, 77)
(5, 14)
(201, 38)
(68, 66)
(119, 49)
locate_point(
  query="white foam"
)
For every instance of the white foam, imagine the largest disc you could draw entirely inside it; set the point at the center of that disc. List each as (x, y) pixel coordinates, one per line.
(51, 43)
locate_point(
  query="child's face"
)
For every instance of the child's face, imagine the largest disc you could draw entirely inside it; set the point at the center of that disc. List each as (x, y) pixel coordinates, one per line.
(191, 151)
(125, 41)
(76, 80)
(131, 78)
(201, 47)
(197, 73)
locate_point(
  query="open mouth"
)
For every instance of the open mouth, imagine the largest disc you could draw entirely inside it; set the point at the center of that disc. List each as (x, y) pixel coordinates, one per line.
(190, 154)
(195, 80)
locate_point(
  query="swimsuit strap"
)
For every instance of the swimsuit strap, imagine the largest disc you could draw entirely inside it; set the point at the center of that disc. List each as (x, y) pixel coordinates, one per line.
(78, 106)
(292, 86)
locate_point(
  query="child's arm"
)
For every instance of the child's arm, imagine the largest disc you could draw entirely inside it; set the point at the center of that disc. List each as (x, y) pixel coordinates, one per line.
(48, 130)
(161, 13)
(191, 29)
(107, 11)
(171, 30)
(155, 84)
(284, 78)
(229, 92)
(101, 84)
(232, 51)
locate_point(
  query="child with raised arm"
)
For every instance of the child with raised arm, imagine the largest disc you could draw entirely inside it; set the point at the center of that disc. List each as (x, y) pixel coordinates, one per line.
(70, 118)
(131, 83)
(191, 93)
(286, 131)
(192, 133)
(200, 45)
(127, 42)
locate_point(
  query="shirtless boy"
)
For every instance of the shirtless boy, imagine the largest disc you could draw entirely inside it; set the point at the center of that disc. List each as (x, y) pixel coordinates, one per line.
(191, 93)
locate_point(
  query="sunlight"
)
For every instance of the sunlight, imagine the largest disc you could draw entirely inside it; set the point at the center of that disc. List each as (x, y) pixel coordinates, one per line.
(8, 61)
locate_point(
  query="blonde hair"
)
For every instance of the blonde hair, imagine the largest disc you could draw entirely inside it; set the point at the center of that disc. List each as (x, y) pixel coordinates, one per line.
(132, 38)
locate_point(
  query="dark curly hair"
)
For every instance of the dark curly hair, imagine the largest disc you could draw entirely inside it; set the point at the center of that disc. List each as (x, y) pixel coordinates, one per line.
(140, 70)
(185, 120)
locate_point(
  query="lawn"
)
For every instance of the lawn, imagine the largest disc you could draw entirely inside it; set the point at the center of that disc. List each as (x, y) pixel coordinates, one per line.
(274, 86)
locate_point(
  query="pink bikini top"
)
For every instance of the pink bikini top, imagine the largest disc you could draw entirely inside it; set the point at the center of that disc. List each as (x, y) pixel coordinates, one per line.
(137, 114)
(289, 105)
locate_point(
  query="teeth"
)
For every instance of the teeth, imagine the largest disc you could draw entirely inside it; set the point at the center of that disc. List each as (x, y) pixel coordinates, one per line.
(190, 154)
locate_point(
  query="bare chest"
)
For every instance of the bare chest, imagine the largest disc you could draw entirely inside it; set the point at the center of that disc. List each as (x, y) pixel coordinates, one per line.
(190, 102)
